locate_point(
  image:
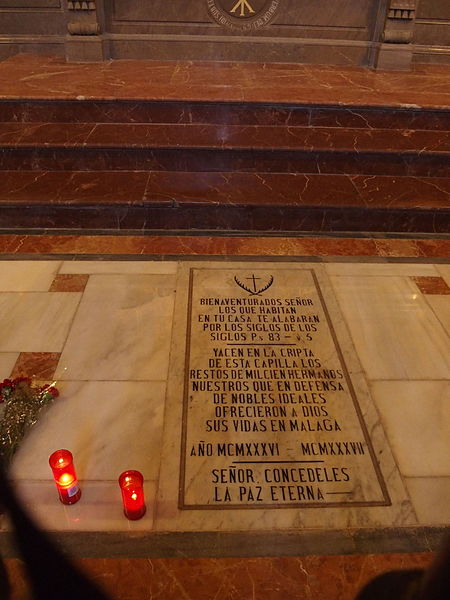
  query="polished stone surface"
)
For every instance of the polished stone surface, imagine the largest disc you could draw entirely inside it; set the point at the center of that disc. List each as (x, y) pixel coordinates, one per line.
(262, 148)
(263, 338)
(15, 245)
(280, 578)
(410, 344)
(44, 77)
(36, 321)
(39, 365)
(173, 188)
(115, 354)
(112, 373)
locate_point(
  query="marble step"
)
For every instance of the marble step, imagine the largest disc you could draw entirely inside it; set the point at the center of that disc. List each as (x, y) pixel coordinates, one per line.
(222, 201)
(227, 113)
(87, 146)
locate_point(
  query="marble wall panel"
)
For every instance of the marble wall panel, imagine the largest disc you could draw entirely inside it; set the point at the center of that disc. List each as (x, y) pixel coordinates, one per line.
(300, 13)
(25, 4)
(434, 33)
(29, 26)
(433, 9)
(396, 334)
(121, 331)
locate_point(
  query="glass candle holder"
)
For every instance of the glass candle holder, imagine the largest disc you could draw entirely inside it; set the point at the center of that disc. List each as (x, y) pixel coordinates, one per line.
(131, 485)
(61, 463)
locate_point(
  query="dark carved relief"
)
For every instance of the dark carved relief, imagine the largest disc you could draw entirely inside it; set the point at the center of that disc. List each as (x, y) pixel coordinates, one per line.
(399, 27)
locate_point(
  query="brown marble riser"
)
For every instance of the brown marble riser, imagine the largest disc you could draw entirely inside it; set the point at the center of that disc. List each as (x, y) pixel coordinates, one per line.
(172, 189)
(153, 136)
(206, 218)
(250, 161)
(227, 113)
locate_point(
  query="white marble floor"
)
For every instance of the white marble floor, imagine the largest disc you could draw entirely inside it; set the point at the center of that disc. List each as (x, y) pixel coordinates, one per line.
(118, 338)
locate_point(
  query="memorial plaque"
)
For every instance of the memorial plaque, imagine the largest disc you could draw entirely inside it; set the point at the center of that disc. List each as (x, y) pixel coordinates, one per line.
(271, 418)
(243, 15)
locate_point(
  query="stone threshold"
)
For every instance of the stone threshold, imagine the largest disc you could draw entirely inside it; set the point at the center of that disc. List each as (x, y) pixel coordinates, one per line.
(220, 544)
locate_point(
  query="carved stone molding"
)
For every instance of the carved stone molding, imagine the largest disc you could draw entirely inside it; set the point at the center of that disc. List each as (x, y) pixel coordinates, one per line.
(399, 26)
(83, 28)
(81, 5)
(402, 9)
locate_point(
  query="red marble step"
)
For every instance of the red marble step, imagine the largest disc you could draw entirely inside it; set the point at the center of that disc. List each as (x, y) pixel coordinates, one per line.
(227, 113)
(50, 77)
(84, 146)
(174, 188)
(163, 201)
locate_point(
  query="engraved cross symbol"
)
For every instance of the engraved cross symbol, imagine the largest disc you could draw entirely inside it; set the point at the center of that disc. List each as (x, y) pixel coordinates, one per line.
(243, 5)
(253, 278)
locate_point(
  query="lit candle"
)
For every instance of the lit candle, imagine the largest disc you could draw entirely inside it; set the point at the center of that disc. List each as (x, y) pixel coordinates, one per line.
(61, 463)
(131, 484)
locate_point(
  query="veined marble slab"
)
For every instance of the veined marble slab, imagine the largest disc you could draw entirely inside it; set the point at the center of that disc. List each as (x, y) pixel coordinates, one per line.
(146, 267)
(416, 417)
(441, 308)
(444, 271)
(395, 333)
(7, 362)
(362, 269)
(27, 275)
(121, 331)
(327, 465)
(36, 321)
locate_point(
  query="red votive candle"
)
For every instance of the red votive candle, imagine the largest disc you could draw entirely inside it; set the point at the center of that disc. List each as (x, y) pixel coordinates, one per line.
(61, 463)
(131, 485)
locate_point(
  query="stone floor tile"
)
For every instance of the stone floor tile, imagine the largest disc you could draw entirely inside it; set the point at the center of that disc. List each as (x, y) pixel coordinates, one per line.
(416, 417)
(430, 498)
(26, 275)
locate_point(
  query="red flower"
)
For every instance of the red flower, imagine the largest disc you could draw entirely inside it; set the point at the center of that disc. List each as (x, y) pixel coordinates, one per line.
(26, 380)
(50, 389)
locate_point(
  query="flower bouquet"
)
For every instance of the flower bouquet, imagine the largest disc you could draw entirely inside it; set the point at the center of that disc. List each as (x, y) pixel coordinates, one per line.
(20, 406)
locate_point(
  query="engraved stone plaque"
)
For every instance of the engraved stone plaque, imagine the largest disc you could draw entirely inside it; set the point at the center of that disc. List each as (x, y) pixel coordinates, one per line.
(243, 15)
(271, 418)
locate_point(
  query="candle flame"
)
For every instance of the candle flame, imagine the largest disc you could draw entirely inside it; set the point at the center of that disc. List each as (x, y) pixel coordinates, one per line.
(134, 496)
(65, 479)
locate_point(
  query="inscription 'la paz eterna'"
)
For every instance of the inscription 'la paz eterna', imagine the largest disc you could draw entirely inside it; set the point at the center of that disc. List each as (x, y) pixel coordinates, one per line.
(270, 416)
